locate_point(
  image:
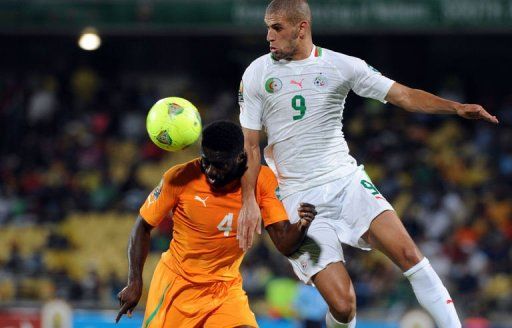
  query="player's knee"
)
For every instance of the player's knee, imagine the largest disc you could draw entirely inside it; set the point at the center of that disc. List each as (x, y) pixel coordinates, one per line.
(410, 257)
(344, 309)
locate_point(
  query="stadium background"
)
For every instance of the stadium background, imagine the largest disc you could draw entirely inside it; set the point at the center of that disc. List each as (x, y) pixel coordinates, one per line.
(76, 164)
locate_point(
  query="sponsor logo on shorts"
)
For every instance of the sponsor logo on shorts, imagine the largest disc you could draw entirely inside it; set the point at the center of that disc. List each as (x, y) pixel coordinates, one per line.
(304, 260)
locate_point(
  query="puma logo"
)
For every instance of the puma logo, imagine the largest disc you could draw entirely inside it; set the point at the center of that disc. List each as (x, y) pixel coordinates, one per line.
(202, 201)
(449, 301)
(297, 83)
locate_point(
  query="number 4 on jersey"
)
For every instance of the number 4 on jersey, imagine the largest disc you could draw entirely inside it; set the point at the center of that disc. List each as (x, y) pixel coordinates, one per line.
(226, 224)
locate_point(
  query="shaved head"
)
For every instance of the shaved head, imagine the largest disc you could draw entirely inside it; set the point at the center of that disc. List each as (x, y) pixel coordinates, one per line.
(295, 11)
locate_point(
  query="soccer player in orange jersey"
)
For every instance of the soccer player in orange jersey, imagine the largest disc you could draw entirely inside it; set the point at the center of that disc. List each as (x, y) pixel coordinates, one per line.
(197, 282)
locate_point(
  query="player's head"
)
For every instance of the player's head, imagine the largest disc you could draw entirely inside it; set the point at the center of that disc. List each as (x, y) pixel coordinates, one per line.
(289, 27)
(223, 158)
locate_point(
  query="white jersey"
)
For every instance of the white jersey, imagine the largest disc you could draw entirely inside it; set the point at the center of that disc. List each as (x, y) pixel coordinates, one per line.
(300, 104)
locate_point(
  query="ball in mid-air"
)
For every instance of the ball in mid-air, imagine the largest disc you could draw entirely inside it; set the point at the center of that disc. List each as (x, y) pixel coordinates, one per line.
(173, 123)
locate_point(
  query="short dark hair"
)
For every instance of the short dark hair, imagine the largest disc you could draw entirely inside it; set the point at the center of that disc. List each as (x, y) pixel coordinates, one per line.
(223, 136)
(294, 10)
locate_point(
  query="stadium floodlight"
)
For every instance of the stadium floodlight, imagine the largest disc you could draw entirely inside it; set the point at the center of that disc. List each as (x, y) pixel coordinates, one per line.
(89, 39)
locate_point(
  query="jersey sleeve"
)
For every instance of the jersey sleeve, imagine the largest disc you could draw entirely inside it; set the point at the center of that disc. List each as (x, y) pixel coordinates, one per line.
(162, 200)
(249, 99)
(272, 210)
(369, 82)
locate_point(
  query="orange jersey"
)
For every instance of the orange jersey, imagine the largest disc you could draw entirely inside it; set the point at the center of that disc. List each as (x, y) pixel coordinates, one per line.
(204, 247)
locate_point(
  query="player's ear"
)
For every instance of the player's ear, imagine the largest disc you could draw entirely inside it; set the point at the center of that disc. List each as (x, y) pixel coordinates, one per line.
(242, 164)
(242, 157)
(303, 26)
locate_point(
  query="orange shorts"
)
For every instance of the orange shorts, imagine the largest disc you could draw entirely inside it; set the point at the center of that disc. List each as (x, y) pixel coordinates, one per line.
(177, 303)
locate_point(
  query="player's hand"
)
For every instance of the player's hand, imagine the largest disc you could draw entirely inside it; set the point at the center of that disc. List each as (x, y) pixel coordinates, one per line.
(307, 213)
(475, 112)
(128, 299)
(249, 220)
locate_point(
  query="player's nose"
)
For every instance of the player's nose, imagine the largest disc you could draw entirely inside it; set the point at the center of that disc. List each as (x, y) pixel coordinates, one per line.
(270, 36)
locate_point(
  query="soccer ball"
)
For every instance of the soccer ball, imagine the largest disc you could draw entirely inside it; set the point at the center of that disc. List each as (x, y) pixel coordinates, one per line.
(173, 123)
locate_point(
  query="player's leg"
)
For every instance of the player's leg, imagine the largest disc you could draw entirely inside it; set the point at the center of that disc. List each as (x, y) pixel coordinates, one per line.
(372, 219)
(388, 234)
(174, 301)
(336, 288)
(159, 296)
(320, 257)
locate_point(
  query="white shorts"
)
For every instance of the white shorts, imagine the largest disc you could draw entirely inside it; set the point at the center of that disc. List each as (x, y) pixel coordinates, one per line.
(346, 207)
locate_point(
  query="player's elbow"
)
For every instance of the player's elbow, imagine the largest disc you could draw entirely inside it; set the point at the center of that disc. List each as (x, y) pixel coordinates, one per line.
(286, 249)
(284, 237)
(401, 96)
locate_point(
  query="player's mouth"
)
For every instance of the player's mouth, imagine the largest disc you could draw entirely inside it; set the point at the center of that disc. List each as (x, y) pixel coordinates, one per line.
(273, 49)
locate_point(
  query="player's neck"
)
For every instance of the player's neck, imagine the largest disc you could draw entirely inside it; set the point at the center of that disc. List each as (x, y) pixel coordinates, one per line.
(304, 51)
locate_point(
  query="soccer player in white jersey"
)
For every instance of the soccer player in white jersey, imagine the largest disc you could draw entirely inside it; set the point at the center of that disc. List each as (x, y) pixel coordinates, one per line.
(297, 93)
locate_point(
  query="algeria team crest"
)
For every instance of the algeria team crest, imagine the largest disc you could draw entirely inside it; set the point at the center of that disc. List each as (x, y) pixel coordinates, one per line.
(320, 81)
(273, 85)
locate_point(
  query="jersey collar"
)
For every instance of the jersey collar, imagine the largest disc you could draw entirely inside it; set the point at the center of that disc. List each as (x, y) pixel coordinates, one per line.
(315, 52)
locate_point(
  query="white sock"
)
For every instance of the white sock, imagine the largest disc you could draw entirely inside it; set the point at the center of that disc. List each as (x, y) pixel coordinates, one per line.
(432, 294)
(331, 322)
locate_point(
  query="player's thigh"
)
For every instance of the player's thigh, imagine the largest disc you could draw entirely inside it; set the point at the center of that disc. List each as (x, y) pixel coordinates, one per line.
(190, 307)
(159, 297)
(173, 302)
(360, 203)
(335, 286)
(233, 312)
(321, 245)
(388, 234)
(177, 319)
(320, 248)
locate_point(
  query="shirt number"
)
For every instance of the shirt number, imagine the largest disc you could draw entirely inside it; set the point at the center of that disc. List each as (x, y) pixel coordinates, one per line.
(299, 104)
(226, 224)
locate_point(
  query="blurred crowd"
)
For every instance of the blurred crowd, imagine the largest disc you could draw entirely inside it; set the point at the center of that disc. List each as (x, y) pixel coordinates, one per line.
(74, 145)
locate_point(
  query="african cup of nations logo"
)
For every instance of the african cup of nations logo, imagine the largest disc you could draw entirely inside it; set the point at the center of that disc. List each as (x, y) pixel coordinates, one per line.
(164, 138)
(273, 85)
(174, 109)
(320, 81)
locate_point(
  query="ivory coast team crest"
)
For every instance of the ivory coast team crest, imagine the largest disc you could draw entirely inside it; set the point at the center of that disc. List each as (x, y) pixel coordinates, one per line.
(273, 85)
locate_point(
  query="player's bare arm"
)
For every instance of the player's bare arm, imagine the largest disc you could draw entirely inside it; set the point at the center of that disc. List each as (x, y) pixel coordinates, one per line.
(415, 100)
(249, 219)
(288, 237)
(138, 248)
